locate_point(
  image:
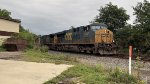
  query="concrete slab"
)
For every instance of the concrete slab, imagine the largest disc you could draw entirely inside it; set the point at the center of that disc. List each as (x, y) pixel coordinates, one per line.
(20, 72)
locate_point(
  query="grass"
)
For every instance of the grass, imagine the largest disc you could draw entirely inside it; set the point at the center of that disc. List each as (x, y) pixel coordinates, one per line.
(80, 73)
(45, 57)
(94, 75)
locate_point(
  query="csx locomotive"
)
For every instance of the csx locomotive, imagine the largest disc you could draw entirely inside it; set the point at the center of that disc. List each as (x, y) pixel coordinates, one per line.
(93, 38)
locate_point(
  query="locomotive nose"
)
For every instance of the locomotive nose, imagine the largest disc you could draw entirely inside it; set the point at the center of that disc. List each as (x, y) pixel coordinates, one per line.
(103, 36)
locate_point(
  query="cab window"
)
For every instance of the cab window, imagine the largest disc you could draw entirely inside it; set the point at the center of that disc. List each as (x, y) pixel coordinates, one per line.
(95, 28)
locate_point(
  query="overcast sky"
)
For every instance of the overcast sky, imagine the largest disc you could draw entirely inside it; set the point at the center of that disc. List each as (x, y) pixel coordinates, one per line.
(50, 16)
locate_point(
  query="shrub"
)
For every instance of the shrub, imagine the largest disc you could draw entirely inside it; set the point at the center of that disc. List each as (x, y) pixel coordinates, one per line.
(44, 49)
(148, 53)
(28, 36)
(119, 76)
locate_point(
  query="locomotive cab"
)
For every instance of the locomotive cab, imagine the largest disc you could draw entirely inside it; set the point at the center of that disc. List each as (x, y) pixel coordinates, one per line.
(102, 34)
(103, 39)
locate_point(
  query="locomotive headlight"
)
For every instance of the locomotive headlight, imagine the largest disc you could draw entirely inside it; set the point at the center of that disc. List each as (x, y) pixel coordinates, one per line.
(105, 31)
(113, 41)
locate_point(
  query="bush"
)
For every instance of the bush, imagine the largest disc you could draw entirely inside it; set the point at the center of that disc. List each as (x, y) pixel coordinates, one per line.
(28, 36)
(44, 49)
(148, 53)
(119, 76)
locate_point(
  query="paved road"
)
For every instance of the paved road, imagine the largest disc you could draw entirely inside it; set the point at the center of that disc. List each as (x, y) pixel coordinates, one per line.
(20, 72)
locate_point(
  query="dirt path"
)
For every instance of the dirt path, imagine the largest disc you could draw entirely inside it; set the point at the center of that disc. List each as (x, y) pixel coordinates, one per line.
(20, 72)
(10, 55)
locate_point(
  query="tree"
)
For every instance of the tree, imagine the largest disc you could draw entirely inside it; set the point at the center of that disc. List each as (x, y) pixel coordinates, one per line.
(124, 36)
(114, 17)
(21, 28)
(142, 12)
(4, 13)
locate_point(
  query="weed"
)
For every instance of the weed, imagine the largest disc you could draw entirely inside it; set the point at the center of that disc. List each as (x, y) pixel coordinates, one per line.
(119, 76)
(138, 64)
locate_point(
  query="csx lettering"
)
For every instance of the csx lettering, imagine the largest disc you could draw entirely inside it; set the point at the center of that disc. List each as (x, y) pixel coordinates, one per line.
(68, 36)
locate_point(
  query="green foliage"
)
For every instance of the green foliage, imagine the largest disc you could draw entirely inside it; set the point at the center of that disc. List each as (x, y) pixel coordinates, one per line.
(113, 16)
(119, 76)
(43, 48)
(27, 35)
(139, 35)
(138, 64)
(21, 29)
(148, 53)
(81, 74)
(142, 14)
(123, 36)
(24, 34)
(142, 22)
(130, 35)
(5, 13)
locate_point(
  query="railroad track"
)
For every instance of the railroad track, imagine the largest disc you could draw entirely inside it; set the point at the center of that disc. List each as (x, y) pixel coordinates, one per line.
(120, 56)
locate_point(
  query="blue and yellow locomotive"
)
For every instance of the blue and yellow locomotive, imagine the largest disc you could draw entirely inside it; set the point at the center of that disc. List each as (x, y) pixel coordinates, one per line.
(93, 38)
